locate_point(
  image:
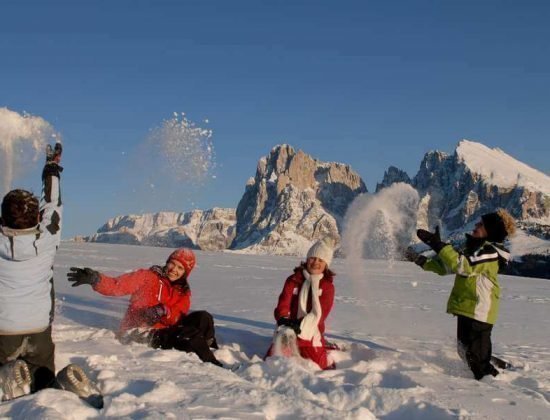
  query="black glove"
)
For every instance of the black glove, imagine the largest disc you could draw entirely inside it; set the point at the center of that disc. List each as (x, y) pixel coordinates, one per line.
(152, 314)
(291, 323)
(413, 256)
(53, 157)
(433, 240)
(54, 154)
(81, 276)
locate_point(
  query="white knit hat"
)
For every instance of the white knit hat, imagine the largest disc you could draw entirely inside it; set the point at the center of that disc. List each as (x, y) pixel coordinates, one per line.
(322, 249)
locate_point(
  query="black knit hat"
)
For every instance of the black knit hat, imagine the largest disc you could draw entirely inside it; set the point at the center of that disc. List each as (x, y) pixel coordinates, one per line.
(494, 225)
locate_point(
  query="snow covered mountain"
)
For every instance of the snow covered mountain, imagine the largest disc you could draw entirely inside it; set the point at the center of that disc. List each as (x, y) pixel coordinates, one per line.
(455, 190)
(293, 200)
(210, 230)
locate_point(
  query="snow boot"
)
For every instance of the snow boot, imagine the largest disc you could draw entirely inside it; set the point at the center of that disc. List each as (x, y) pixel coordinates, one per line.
(73, 379)
(15, 380)
(212, 343)
(500, 363)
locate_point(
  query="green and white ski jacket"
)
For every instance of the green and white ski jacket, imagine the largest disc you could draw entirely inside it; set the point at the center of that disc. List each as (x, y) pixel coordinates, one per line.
(476, 292)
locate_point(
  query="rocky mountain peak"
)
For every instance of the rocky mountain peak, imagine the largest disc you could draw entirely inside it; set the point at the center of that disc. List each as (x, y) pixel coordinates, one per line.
(456, 189)
(392, 176)
(294, 200)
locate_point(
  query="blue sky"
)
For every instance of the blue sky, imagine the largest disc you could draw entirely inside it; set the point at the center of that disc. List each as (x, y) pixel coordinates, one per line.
(367, 83)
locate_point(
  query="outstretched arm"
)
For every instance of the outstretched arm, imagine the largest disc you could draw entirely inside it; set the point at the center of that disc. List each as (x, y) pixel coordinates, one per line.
(51, 208)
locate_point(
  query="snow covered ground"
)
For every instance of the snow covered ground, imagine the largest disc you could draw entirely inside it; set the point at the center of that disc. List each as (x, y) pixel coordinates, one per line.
(400, 359)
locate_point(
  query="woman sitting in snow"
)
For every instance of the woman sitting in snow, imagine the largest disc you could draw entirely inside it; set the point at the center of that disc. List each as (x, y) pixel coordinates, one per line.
(159, 305)
(306, 301)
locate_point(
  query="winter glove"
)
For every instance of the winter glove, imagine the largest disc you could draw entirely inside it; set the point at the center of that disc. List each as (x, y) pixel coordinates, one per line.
(53, 157)
(152, 314)
(54, 154)
(413, 256)
(433, 240)
(291, 323)
(81, 276)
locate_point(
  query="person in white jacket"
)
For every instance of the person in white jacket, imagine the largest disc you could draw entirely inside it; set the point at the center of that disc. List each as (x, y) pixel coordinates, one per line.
(30, 233)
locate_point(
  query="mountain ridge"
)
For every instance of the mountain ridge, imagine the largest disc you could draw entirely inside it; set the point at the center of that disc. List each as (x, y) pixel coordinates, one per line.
(295, 199)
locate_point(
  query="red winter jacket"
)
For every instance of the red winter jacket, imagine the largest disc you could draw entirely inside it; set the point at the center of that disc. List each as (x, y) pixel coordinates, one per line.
(287, 307)
(147, 288)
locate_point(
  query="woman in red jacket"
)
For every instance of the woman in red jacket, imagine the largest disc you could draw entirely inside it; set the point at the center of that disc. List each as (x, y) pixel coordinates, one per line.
(306, 301)
(160, 299)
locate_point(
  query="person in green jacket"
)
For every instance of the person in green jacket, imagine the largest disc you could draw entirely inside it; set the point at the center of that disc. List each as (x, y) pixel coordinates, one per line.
(475, 296)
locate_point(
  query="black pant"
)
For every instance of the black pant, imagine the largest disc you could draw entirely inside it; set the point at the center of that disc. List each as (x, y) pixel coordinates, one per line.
(37, 350)
(474, 345)
(194, 333)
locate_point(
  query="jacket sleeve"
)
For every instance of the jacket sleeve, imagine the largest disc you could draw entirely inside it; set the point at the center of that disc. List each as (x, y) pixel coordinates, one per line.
(327, 301)
(466, 266)
(175, 311)
(122, 285)
(435, 265)
(51, 208)
(283, 305)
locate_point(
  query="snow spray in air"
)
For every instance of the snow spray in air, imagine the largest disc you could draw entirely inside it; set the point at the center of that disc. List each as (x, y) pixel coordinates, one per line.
(22, 139)
(379, 226)
(169, 169)
(185, 148)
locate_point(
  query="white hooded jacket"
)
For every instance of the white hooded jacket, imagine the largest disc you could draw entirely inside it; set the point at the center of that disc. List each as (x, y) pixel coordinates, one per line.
(26, 267)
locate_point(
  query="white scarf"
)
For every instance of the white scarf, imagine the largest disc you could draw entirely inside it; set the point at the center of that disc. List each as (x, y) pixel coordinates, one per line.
(310, 321)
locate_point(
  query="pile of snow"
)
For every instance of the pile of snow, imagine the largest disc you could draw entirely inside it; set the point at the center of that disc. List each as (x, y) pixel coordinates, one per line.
(499, 168)
(399, 359)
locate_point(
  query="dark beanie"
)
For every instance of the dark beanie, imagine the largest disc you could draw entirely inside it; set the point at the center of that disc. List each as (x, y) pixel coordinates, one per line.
(494, 225)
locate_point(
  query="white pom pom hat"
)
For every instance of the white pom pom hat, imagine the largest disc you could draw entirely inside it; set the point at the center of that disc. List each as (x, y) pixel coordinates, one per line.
(322, 249)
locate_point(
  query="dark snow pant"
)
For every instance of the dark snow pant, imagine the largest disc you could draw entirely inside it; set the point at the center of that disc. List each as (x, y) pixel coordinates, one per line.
(37, 350)
(194, 333)
(474, 345)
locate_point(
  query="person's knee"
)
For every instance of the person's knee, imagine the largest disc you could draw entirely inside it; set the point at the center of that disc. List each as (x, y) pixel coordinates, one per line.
(205, 316)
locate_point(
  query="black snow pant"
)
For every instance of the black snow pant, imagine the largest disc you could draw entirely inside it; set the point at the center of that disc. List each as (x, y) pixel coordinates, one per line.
(37, 350)
(194, 333)
(474, 345)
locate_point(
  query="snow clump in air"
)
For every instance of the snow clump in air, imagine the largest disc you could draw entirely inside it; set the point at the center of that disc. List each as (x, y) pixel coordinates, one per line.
(185, 148)
(22, 138)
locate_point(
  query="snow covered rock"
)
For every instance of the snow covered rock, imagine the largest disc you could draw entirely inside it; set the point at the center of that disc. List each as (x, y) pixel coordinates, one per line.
(210, 230)
(392, 176)
(455, 190)
(293, 200)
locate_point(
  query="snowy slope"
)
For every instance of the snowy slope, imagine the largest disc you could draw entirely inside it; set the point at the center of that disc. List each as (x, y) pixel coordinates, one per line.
(499, 168)
(400, 362)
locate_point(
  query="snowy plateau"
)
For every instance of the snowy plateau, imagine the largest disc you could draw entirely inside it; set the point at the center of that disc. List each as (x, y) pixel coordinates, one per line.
(398, 361)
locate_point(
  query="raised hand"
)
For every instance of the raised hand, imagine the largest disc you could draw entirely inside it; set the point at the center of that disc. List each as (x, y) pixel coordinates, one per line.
(53, 157)
(433, 240)
(80, 276)
(53, 154)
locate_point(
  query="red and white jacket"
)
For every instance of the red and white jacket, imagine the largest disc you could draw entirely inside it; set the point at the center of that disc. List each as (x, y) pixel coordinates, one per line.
(147, 287)
(287, 306)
